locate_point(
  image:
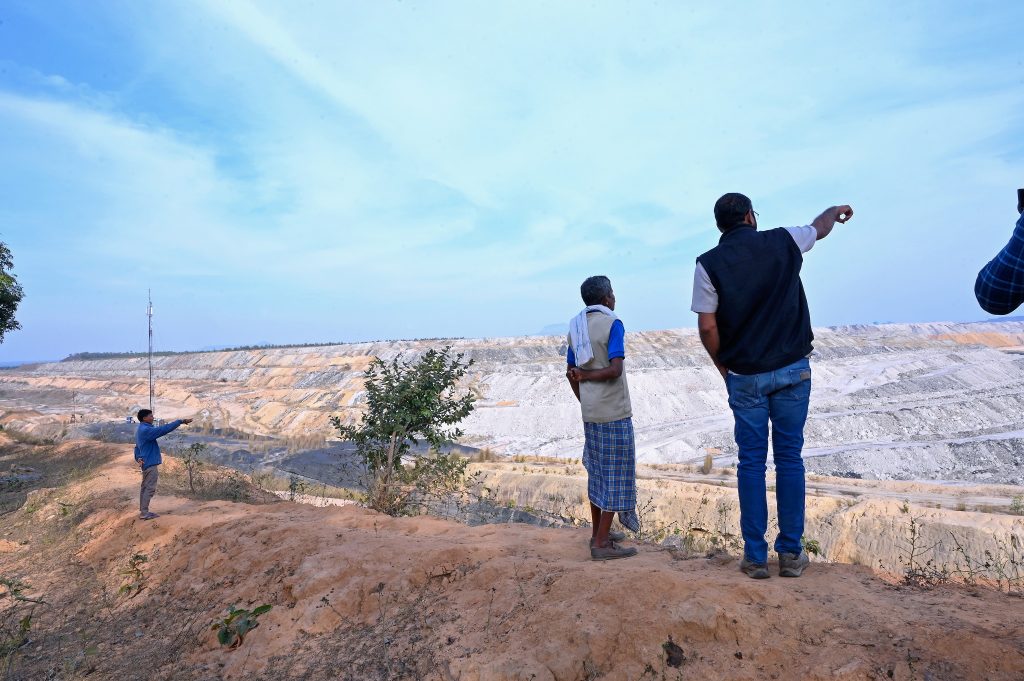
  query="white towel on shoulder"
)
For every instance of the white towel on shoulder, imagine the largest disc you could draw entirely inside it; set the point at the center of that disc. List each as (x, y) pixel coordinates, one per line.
(579, 333)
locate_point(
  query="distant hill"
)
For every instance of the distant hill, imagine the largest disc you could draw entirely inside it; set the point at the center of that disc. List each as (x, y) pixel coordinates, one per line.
(554, 330)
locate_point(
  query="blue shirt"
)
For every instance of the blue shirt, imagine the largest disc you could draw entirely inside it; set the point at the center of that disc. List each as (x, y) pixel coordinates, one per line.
(1000, 284)
(146, 446)
(616, 344)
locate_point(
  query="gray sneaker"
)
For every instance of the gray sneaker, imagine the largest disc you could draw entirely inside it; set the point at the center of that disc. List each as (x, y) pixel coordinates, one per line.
(754, 570)
(612, 552)
(792, 564)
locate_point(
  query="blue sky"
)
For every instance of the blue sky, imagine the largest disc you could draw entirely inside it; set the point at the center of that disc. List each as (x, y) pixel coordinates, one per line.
(291, 172)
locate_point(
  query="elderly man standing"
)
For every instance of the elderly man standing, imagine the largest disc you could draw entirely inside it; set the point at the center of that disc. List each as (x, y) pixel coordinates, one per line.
(755, 325)
(147, 455)
(594, 366)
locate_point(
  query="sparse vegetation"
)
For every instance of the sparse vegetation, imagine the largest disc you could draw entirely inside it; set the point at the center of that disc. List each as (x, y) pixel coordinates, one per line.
(193, 463)
(917, 571)
(709, 462)
(134, 579)
(1017, 505)
(28, 438)
(485, 455)
(231, 630)
(268, 482)
(16, 616)
(296, 486)
(1002, 568)
(811, 546)
(650, 531)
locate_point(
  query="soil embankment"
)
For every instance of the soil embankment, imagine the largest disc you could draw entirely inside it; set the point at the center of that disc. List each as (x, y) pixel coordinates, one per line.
(870, 523)
(357, 595)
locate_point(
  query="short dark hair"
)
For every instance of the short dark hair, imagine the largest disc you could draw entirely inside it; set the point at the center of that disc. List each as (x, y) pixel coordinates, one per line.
(143, 413)
(731, 209)
(595, 289)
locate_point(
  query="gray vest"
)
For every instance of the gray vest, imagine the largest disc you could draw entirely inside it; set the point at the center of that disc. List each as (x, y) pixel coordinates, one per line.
(603, 401)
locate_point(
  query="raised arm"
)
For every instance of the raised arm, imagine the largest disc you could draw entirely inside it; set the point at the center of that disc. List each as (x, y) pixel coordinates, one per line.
(707, 325)
(824, 223)
(159, 431)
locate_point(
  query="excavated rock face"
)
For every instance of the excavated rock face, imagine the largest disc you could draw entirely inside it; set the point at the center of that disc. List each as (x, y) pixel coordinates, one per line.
(924, 401)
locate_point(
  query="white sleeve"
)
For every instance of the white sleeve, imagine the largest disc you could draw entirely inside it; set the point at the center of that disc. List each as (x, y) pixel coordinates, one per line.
(803, 236)
(705, 297)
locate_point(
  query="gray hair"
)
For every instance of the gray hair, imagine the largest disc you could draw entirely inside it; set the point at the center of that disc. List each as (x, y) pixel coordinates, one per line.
(595, 289)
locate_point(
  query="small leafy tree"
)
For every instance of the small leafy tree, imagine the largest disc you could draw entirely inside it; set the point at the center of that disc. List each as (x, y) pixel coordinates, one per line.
(296, 486)
(10, 292)
(406, 403)
(193, 463)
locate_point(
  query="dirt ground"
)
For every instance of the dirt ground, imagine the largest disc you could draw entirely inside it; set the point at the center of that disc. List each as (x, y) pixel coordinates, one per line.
(357, 595)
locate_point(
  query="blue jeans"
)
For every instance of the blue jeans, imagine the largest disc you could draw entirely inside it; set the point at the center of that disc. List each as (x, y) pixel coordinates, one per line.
(780, 396)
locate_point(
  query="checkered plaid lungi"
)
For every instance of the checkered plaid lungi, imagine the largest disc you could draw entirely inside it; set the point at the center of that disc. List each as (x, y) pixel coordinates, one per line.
(609, 455)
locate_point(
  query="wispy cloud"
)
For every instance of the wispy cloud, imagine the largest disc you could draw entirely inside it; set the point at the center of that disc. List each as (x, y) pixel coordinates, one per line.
(361, 170)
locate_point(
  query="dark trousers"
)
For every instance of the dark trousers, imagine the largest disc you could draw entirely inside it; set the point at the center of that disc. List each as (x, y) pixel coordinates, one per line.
(149, 478)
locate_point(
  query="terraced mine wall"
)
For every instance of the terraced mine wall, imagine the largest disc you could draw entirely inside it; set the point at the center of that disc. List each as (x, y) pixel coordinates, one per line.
(923, 401)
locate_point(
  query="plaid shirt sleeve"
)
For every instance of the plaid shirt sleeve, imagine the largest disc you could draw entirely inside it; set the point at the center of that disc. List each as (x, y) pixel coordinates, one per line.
(1000, 284)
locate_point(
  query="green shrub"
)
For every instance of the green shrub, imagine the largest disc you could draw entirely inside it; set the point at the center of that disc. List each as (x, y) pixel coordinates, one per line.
(232, 629)
(133, 576)
(811, 546)
(1017, 505)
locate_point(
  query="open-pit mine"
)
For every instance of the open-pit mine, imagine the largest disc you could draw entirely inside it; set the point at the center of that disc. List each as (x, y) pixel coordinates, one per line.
(940, 402)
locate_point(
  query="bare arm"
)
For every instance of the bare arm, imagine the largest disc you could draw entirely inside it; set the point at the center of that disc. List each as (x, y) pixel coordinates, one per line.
(707, 324)
(824, 223)
(573, 383)
(609, 373)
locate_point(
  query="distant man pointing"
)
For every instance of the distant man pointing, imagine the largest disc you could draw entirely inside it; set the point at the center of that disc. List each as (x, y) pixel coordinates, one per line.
(754, 323)
(147, 455)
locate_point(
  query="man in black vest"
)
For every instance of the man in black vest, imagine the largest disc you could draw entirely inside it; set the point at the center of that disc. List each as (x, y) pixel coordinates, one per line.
(753, 320)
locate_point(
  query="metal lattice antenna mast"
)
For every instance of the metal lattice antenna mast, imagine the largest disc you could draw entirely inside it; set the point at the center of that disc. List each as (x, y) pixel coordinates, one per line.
(149, 313)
